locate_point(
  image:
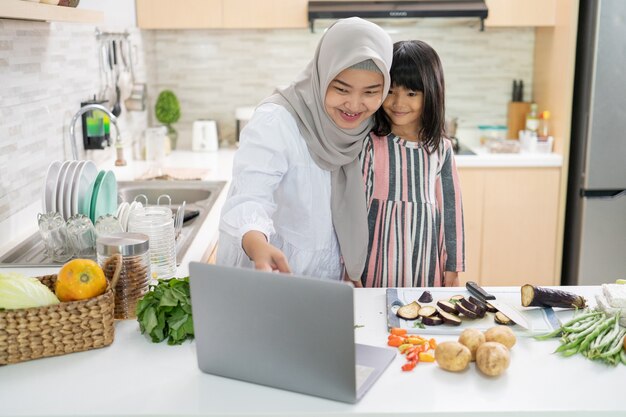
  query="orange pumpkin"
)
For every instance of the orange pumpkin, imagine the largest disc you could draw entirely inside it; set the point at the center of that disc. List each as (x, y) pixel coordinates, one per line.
(80, 279)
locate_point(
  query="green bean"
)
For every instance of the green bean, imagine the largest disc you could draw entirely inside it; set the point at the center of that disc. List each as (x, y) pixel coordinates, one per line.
(608, 333)
(616, 346)
(622, 356)
(589, 331)
(581, 317)
(581, 325)
(603, 325)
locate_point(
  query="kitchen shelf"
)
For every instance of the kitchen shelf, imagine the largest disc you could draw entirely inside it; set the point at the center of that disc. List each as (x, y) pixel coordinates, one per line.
(26, 10)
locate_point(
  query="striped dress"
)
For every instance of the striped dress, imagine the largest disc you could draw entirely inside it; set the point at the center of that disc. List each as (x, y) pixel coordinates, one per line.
(415, 216)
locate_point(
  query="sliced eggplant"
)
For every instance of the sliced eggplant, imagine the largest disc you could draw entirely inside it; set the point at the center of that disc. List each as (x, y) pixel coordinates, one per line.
(427, 311)
(447, 306)
(409, 311)
(466, 312)
(474, 308)
(547, 297)
(491, 308)
(456, 298)
(480, 303)
(500, 318)
(432, 321)
(426, 297)
(449, 318)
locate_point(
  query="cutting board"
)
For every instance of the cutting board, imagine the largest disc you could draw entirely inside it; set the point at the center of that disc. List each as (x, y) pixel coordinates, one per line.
(542, 320)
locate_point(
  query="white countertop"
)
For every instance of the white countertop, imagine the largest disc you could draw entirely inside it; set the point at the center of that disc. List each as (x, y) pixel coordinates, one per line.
(219, 168)
(134, 377)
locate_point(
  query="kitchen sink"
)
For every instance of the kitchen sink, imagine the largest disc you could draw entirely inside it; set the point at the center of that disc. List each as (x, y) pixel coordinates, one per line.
(197, 195)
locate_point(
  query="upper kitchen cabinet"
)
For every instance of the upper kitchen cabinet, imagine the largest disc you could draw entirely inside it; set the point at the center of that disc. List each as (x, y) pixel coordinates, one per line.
(510, 13)
(265, 14)
(25, 10)
(181, 14)
(221, 14)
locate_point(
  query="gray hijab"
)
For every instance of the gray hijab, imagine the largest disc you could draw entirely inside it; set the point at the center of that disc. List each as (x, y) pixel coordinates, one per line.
(347, 42)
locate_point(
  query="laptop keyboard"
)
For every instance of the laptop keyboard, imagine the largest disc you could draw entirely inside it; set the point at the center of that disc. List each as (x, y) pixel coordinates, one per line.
(362, 373)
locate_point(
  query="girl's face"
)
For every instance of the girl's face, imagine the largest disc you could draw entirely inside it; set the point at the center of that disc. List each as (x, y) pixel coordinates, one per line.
(353, 96)
(404, 109)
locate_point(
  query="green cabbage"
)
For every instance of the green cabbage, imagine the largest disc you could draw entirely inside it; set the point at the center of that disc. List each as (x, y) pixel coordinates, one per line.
(19, 291)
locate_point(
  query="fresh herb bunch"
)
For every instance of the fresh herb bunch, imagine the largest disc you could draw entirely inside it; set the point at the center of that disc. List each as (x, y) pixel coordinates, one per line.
(165, 311)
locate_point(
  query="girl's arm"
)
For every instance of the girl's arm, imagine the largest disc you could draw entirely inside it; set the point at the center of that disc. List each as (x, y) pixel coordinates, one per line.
(452, 212)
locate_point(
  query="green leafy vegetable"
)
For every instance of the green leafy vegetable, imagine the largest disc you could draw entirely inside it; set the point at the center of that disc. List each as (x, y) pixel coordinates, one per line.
(418, 323)
(165, 312)
(19, 291)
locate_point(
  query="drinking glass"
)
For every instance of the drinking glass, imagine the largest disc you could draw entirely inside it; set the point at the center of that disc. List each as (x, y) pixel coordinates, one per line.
(53, 232)
(82, 236)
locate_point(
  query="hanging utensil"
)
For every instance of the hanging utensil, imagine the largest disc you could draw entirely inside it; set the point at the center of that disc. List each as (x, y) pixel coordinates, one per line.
(117, 108)
(137, 99)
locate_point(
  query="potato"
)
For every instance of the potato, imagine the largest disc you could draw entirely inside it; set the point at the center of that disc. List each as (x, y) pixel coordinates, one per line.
(472, 338)
(502, 335)
(452, 356)
(492, 358)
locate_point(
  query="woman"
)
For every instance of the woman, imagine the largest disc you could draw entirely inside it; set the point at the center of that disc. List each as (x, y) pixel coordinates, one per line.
(297, 202)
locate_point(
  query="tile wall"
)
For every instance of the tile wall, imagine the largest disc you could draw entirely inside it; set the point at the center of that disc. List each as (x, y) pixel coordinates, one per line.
(46, 69)
(215, 71)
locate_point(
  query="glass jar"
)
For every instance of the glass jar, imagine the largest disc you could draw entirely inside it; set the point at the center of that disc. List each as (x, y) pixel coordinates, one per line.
(134, 278)
(490, 133)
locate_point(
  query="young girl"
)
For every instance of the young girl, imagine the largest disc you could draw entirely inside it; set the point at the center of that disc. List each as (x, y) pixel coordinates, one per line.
(297, 201)
(415, 216)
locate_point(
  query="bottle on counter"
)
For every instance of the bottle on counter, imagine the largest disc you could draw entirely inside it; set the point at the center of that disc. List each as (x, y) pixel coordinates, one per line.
(544, 126)
(532, 119)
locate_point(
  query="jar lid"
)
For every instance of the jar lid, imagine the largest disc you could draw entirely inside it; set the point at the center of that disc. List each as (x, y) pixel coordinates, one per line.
(127, 244)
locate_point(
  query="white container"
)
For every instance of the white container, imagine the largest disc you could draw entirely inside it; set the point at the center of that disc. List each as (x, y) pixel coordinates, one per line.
(205, 137)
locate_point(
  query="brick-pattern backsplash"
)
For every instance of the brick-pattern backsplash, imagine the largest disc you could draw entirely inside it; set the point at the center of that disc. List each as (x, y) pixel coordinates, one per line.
(215, 71)
(47, 69)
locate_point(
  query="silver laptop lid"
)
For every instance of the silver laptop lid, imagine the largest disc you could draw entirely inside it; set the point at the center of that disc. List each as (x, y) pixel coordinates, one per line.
(272, 329)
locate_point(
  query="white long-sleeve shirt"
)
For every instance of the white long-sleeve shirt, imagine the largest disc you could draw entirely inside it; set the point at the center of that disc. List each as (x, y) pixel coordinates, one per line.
(278, 190)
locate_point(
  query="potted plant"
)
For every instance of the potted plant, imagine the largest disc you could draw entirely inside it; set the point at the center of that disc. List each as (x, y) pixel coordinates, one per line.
(167, 110)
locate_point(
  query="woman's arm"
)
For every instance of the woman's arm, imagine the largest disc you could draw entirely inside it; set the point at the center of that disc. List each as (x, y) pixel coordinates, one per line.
(258, 169)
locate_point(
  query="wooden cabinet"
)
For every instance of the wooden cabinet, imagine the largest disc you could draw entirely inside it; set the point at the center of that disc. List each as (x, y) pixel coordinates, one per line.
(511, 225)
(221, 14)
(264, 14)
(182, 14)
(508, 13)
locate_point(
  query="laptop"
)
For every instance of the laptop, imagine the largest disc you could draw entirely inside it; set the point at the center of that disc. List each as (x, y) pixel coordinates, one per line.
(283, 331)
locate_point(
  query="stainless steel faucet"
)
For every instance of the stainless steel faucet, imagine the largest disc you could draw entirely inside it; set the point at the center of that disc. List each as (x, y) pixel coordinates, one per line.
(84, 109)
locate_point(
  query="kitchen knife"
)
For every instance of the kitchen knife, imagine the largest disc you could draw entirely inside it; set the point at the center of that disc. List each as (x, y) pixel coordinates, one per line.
(508, 310)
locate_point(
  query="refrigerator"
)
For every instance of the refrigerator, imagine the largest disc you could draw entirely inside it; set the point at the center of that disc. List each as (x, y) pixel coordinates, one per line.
(594, 248)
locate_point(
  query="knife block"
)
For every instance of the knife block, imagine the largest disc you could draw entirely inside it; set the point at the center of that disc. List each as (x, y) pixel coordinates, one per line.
(516, 118)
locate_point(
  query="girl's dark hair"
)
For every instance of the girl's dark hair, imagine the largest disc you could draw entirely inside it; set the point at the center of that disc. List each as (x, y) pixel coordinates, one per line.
(416, 66)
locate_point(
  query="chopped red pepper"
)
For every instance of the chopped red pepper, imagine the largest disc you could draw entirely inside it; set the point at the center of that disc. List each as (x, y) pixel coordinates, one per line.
(398, 331)
(409, 366)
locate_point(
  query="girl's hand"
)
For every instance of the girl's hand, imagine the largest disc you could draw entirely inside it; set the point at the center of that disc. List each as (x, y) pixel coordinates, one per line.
(265, 256)
(356, 284)
(451, 279)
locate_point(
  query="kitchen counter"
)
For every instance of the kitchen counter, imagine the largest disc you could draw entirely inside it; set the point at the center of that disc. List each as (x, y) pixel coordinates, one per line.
(136, 377)
(214, 166)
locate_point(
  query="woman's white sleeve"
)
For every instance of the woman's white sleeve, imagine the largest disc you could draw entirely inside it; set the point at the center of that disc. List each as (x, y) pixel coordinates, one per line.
(259, 166)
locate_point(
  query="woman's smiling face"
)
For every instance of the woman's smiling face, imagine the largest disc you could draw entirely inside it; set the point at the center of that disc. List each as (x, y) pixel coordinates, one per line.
(353, 96)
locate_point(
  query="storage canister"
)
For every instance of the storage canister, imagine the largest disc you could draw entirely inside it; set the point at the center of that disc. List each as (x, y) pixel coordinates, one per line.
(135, 274)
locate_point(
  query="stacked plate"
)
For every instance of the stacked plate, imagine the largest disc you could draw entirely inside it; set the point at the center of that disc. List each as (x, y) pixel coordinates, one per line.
(67, 186)
(73, 187)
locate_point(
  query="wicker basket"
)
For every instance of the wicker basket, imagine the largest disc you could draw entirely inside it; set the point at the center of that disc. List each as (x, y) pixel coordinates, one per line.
(76, 326)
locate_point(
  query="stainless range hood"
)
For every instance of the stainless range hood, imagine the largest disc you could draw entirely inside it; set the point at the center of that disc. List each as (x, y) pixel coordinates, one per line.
(397, 9)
